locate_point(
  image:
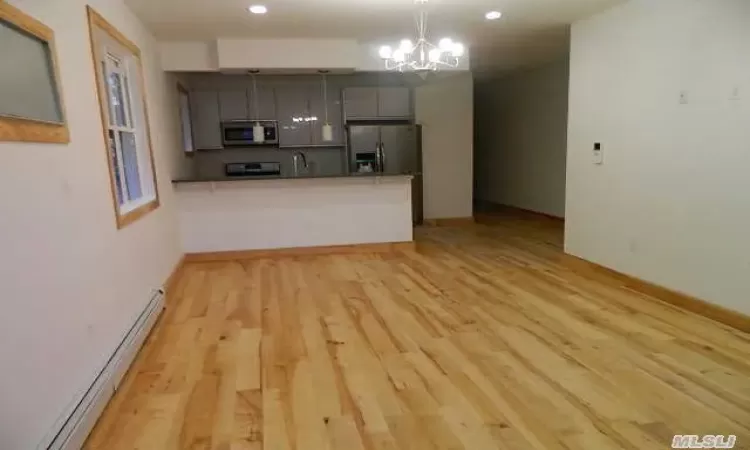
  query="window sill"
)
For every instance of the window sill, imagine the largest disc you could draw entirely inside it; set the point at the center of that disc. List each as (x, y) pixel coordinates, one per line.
(129, 217)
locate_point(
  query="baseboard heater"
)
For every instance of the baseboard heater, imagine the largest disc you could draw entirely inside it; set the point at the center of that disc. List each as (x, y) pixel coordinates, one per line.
(72, 433)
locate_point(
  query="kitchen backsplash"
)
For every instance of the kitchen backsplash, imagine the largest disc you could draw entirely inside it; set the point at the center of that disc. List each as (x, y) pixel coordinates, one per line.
(323, 161)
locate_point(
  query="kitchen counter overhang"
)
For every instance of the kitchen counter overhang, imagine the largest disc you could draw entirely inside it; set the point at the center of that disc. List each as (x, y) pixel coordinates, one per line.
(221, 179)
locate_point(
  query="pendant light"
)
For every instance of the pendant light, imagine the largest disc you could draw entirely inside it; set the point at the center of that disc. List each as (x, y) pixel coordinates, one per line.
(259, 133)
(327, 128)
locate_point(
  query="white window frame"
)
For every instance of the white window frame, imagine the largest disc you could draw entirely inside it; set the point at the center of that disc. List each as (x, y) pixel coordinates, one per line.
(186, 124)
(115, 54)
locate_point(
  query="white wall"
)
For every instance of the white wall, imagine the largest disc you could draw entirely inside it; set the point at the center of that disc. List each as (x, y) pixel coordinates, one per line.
(445, 109)
(71, 284)
(522, 125)
(264, 214)
(296, 54)
(671, 204)
(342, 54)
(189, 56)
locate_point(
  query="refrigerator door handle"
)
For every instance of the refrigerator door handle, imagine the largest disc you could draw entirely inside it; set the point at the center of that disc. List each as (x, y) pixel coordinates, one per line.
(378, 158)
(382, 157)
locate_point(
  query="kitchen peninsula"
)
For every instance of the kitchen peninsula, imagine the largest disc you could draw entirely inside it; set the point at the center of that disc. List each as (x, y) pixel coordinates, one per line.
(290, 161)
(240, 214)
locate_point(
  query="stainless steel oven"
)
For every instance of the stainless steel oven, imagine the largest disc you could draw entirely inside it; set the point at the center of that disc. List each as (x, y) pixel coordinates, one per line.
(240, 133)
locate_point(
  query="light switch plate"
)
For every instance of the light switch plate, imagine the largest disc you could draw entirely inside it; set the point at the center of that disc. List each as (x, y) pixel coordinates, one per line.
(598, 154)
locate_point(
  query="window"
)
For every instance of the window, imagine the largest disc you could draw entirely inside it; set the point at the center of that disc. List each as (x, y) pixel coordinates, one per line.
(31, 106)
(124, 120)
(185, 122)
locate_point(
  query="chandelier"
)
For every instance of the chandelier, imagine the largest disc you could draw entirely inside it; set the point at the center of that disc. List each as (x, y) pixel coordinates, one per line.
(422, 55)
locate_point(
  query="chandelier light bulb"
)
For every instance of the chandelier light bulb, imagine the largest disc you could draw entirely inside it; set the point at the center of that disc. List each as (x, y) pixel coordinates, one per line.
(258, 9)
(386, 52)
(399, 55)
(493, 15)
(435, 54)
(446, 44)
(406, 46)
(458, 50)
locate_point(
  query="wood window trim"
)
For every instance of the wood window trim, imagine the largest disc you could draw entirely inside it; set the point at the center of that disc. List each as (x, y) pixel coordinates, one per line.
(95, 20)
(13, 129)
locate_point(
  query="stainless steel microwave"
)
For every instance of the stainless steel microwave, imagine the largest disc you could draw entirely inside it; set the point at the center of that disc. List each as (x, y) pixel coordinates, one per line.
(240, 133)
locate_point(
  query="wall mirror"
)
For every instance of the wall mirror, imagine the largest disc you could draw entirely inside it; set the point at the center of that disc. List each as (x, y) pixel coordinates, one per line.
(31, 105)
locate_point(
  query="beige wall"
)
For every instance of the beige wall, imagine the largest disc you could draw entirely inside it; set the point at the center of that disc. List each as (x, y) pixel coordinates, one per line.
(665, 87)
(522, 121)
(71, 284)
(445, 109)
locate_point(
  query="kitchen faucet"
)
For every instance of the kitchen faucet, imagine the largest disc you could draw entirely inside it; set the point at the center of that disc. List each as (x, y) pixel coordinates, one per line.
(299, 162)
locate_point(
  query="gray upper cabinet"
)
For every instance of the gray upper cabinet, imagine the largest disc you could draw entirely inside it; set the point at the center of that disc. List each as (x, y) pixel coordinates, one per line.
(373, 102)
(204, 111)
(394, 102)
(317, 109)
(233, 105)
(293, 114)
(266, 104)
(361, 102)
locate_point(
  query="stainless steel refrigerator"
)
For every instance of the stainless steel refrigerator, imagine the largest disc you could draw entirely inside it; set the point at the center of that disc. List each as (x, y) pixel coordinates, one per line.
(388, 149)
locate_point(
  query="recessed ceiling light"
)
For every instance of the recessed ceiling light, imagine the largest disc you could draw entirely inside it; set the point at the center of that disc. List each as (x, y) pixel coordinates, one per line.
(258, 9)
(493, 15)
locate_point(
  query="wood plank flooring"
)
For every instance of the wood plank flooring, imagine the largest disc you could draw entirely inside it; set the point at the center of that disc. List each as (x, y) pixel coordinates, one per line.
(479, 339)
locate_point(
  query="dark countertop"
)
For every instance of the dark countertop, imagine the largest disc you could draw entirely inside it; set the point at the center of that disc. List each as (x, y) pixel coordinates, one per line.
(287, 177)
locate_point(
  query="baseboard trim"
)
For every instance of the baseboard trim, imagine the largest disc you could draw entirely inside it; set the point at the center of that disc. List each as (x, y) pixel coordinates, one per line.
(500, 207)
(76, 424)
(171, 282)
(385, 247)
(450, 222)
(687, 302)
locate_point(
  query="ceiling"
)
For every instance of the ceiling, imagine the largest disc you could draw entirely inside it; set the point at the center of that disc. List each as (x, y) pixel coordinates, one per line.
(530, 31)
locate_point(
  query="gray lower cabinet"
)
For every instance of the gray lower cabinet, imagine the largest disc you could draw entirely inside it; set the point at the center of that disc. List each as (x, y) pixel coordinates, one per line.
(204, 112)
(377, 102)
(293, 115)
(317, 109)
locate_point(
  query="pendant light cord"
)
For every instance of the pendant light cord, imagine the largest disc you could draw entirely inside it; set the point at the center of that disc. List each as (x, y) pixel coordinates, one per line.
(325, 97)
(255, 97)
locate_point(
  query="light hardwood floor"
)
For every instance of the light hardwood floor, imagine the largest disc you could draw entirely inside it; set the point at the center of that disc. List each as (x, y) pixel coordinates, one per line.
(479, 339)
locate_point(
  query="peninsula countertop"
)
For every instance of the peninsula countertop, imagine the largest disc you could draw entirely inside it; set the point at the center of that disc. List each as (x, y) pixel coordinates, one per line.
(224, 178)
